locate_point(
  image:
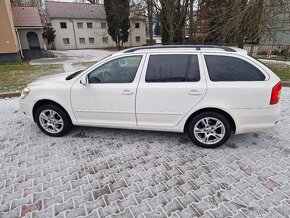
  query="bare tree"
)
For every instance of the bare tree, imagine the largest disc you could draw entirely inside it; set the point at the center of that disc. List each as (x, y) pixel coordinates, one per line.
(172, 14)
(235, 22)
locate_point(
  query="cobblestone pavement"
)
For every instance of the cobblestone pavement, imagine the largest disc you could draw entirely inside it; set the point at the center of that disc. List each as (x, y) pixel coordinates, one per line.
(96, 172)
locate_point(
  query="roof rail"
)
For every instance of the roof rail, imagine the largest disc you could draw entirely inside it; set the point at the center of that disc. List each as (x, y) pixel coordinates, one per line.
(197, 47)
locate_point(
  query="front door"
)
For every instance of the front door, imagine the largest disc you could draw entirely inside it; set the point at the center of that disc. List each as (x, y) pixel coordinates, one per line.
(169, 88)
(109, 97)
(33, 41)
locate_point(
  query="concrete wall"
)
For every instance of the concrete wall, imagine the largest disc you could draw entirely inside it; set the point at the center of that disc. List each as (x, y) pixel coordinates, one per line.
(73, 33)
(23, 37)
(8, 39)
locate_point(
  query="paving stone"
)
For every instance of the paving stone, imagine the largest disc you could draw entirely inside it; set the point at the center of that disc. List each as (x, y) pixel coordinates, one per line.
(32, 207)
(94, 205)
(140, 209)
(106, 211)
(173, 206)
(126, 202)
(58, 208)
(157, 201)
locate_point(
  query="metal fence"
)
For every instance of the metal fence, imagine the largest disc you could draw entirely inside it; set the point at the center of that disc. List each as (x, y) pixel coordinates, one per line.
(269, 51)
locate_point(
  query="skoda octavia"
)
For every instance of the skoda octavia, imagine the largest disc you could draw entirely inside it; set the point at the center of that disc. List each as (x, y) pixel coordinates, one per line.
(208, 92)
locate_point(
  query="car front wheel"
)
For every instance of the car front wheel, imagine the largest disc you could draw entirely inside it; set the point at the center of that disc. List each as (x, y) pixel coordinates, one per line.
(52, 120)
(209, 129)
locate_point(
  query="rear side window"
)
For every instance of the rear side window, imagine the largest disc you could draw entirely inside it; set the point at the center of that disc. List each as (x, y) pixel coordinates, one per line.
(173, 68)
(224, 68)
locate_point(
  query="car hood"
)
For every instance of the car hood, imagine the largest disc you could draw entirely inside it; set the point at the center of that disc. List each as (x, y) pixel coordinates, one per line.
(57, 78)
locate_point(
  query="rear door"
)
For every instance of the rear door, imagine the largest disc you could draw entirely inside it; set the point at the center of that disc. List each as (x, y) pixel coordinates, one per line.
(170, 86)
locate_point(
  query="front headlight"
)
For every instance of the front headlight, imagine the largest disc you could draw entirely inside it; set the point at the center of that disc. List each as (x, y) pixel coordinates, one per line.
(25, 92)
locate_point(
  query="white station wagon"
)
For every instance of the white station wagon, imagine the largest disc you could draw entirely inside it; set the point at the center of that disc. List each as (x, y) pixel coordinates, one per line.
(208, 92)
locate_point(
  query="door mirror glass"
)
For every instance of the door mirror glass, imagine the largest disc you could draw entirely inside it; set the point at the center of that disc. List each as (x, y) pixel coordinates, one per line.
(84, 80)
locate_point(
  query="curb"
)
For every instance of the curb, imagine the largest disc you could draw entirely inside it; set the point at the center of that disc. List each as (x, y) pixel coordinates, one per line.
(10, 95)
(17, 94)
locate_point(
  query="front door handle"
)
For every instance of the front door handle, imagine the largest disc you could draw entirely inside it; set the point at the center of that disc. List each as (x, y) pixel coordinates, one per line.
(127, 92)
(194, 92)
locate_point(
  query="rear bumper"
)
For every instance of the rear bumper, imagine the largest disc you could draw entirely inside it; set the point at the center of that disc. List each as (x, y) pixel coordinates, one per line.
(253, 120)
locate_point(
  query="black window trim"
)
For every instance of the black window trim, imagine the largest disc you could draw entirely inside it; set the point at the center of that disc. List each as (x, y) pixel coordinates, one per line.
(267, 76)
(169, 82)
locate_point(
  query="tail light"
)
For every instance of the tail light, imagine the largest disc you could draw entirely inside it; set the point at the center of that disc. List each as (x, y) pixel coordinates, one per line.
(275, 96)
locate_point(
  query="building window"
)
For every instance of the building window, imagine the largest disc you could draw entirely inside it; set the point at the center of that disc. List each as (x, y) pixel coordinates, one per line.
(103, 25)
(82, 40)
(65, 41)
(137, 25)
(89, 25)
(105, 39)
(91, 40)
(138, 38)
(79, 25)
(63, 25)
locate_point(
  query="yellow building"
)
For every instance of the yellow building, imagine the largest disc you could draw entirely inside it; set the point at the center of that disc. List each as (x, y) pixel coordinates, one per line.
(9, 47)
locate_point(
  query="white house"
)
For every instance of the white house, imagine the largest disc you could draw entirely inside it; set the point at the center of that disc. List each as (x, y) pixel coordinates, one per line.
(83, 25)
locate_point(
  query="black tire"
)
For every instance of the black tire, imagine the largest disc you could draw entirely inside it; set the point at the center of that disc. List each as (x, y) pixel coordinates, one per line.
(196, 120)
(60, 114)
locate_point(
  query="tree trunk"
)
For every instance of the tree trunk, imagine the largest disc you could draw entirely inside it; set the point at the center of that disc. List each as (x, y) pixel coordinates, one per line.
(171, 33)
(191, 20)
(150, 20)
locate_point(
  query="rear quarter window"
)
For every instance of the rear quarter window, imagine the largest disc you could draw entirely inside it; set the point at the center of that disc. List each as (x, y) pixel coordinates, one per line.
(225, 68)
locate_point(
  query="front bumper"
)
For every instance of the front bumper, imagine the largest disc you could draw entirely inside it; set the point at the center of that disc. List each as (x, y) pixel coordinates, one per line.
(26, 107)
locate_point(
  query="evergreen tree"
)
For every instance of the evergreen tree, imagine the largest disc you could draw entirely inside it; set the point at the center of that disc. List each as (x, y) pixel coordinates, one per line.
(49, 34)
(117, 14)
(157, 29)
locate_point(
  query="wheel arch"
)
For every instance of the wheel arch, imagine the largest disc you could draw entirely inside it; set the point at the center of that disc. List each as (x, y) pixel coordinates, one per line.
(211, 109)
(46, 101)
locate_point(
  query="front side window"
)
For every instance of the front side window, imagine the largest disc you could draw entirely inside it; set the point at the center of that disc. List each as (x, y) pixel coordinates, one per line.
(63, 25)
(120, 70)
(137, 25)
(173, 68)
(225, 68)
(138, 38)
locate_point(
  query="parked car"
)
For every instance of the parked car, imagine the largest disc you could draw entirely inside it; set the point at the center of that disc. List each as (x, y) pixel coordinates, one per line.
(208, 92)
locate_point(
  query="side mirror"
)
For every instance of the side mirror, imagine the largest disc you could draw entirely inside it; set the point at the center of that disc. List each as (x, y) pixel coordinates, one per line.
(84, 80)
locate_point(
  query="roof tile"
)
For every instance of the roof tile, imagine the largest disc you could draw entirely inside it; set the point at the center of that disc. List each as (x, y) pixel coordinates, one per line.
(26, 17)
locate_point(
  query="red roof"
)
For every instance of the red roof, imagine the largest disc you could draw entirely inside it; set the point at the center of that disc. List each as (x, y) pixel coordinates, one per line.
(26, 17)
(75, 10)
(82, 10)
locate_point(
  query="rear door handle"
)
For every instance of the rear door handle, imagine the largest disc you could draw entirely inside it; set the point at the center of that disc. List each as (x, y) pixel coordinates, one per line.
(127, 92)
(194, 92)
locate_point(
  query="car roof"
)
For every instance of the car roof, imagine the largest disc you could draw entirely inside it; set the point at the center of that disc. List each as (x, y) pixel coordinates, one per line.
(183, 48)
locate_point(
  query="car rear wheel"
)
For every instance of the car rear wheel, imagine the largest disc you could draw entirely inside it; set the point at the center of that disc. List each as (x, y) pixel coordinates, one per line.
(209, 129)
(52, 120)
